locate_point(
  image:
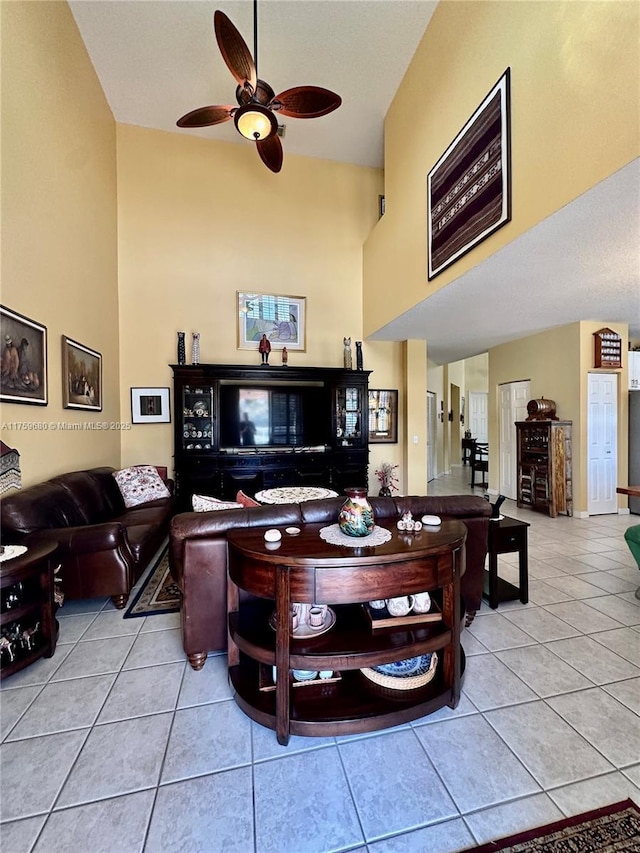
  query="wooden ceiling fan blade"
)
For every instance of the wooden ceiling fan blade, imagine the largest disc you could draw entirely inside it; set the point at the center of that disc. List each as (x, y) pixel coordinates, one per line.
(206, 116)
(270, 151)
(306, 102)
(235, 52)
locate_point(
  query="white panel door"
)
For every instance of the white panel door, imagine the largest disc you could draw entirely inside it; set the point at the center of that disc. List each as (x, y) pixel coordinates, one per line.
(513, 399)
(602, 443)
(478, 418)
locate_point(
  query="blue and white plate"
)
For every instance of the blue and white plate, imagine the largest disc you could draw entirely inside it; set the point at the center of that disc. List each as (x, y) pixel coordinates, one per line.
(405, 668)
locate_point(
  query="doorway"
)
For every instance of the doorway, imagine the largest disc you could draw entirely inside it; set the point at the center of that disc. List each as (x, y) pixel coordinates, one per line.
(477, 416)
(602, 443)
(432, 433)
(513, 397)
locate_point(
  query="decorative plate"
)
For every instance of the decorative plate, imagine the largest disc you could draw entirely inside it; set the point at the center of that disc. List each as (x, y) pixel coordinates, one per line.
(405, 668)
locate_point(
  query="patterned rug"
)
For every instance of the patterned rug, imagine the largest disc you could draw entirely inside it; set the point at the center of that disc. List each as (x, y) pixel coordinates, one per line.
(611, 829)
(158, 593)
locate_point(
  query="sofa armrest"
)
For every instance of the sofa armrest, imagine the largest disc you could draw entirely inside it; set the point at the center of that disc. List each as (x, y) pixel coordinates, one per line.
(108, 536)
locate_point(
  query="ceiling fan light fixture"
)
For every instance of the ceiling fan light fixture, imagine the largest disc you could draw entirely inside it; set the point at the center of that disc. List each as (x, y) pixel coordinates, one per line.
(255, 122)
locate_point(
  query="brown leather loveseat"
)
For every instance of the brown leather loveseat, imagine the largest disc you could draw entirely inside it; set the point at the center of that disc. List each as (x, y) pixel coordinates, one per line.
(103, 546)
(198, 555)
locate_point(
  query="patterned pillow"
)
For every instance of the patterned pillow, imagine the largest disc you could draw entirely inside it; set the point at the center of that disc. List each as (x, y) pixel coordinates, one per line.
(245, 500)
(140, 484)
(203, 503)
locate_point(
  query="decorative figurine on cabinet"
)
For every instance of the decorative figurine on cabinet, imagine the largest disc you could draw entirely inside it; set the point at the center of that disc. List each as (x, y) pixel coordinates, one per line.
(195, 348)
(285, 356)
(348, 362)
(264, 348)
(358, 355)
(182, 352)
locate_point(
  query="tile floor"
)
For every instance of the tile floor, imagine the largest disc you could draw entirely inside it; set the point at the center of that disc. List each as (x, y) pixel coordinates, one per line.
(116, 745)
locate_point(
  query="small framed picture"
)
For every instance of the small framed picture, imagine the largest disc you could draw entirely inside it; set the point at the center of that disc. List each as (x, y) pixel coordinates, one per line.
(383, 416)
(24, 359)
(150, 406)
(81, 376)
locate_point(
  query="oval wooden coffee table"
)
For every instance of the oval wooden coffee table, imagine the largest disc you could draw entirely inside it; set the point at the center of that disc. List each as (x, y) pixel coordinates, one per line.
(305, 568)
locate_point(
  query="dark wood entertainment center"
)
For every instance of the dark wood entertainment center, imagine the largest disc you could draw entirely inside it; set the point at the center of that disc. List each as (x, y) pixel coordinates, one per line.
(312, 428)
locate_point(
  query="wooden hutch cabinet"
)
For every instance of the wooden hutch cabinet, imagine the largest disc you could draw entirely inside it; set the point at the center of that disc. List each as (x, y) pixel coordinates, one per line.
(544, 466)
(259, 427)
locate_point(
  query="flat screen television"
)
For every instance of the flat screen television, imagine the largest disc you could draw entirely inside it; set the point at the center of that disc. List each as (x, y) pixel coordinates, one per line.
(284, 416)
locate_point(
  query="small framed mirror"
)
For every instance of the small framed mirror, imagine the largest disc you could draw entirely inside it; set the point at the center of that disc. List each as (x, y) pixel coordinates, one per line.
(383, 416)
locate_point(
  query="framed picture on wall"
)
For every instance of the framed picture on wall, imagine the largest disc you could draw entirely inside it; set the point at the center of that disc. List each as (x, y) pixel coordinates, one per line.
(469, 188)
(150, 406)
(23, 377)
(383, 416)
(283, 319)
(81, 376)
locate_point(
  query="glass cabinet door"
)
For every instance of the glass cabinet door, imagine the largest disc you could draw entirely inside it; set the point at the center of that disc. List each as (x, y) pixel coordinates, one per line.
(197, 417)
(348, 411)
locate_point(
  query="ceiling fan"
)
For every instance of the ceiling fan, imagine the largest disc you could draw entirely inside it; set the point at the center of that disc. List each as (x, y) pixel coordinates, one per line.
(255, 115)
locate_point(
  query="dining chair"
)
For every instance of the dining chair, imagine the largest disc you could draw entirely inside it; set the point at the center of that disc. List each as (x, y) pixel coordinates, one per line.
(480, 463)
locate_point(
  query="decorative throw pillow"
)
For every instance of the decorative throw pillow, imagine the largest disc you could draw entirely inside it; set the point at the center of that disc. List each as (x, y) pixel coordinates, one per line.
(245, 500)
(204, 503)
(140, 484)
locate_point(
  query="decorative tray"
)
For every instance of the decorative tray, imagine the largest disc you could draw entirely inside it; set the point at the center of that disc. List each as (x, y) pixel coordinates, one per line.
(267, 682)
(306, 630)
(405, 674)
(381, 618)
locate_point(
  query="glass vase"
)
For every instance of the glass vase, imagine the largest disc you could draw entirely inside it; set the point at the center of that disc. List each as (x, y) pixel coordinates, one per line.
(356, 515)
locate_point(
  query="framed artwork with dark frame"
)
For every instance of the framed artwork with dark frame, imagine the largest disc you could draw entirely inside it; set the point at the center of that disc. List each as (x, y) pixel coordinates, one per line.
(150, 406)
(383, 416)
(283, 319)
(23, 376)
(81, 376)
(469, 188)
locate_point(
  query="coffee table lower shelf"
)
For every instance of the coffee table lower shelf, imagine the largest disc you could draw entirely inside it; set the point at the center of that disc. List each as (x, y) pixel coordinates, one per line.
(352, 705)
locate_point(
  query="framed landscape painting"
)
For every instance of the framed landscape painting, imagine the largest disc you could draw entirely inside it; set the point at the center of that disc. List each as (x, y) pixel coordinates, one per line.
(23, 371)
(81, 376)
(469, 188)
(282, 319)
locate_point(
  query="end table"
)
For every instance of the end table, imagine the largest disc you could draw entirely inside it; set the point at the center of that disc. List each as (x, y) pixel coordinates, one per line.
(506, 536)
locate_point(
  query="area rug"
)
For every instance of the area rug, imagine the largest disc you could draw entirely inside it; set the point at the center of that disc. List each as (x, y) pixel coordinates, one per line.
(611, 829)
(158, 593)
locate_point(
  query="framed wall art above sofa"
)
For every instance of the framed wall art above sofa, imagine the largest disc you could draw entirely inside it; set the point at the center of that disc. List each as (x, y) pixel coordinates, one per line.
(81, 376)
(23, 371)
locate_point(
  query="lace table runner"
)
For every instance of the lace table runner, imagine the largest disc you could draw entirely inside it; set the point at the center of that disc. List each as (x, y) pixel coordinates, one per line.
(334, 536)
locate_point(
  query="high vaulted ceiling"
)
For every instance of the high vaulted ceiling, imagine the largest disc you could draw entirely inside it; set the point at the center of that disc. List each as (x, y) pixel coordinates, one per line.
(158, 59)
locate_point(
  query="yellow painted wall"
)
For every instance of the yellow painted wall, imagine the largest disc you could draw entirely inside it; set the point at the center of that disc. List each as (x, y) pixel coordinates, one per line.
(200, 220)
(59, 237)
(575, 76)
(556, 362)
(386, 360)
(415, 408)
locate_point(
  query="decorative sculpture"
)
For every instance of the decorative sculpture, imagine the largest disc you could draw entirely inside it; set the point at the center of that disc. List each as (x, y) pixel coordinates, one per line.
(348, 362)
(264, 348)
(285, 356)
(358, 355)
(195, 348)
(182, 353)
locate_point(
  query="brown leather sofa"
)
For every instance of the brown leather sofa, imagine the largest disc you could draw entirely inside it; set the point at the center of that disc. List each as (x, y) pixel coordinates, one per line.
(198, 554)
(103, 546)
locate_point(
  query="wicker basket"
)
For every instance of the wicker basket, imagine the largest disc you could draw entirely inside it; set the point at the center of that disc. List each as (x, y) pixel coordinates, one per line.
(395, 682)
